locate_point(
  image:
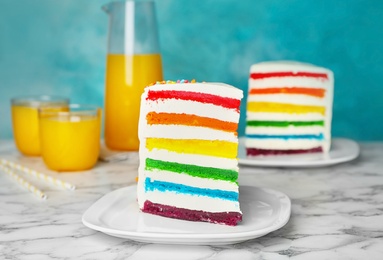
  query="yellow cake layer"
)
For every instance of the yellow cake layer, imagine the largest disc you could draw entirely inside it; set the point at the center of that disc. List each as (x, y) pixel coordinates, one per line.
(216, 148)
(271, 107)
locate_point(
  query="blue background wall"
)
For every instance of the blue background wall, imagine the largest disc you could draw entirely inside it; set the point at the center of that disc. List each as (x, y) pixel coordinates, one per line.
(59, 47)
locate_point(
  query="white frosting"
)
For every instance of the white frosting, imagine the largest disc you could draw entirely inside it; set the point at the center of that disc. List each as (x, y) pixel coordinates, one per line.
(171, 131)
(188, 180)
(194, 159)
(289, 130)
(262, 116)
(193, 108)
(287, 99)
(282, 144)
(294, 66)
(279, 82)
(300, 82)
(192, 202)
(189, 132)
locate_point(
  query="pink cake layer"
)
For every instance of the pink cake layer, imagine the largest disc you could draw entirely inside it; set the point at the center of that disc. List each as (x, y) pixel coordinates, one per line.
(255, 151)
(227, 218)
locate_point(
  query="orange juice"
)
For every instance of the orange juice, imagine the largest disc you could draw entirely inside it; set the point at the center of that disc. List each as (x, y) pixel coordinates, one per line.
(25, 121)
(70, 143)
(126, 78)
(26, 129)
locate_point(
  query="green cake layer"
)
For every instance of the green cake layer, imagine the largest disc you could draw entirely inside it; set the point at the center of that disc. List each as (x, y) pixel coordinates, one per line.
(192, 170)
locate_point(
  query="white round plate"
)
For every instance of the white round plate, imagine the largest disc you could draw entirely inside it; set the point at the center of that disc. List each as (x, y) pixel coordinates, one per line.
(342, 150)
(117, 214)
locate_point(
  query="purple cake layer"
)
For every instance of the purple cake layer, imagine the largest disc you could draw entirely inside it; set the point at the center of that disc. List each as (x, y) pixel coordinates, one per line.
(227, 218)
(255, 151)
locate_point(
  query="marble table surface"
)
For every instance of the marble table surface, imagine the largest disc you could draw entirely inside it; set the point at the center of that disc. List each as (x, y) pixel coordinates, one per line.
(337, 213)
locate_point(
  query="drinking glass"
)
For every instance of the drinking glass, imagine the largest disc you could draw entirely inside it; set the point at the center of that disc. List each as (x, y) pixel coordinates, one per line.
(25, 120)
(70, 140)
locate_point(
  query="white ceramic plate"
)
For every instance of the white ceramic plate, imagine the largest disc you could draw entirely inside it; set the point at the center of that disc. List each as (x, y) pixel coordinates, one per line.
(117, 214)
(342, 150)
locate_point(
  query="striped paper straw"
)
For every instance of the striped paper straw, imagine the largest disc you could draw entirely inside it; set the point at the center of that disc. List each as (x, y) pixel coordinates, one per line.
(36, 174)
(23, 182)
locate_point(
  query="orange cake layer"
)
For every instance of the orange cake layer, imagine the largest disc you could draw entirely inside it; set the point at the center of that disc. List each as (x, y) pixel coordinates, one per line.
(316, 92)
(154, 118)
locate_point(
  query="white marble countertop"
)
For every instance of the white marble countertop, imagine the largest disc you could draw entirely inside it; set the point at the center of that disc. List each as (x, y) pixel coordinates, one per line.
(337, 213)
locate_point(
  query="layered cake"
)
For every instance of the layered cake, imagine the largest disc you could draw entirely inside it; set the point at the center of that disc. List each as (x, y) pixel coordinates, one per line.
(188, 151)
(289, 109)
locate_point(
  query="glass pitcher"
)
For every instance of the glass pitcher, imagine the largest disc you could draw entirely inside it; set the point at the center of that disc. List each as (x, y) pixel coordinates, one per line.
(133, 62)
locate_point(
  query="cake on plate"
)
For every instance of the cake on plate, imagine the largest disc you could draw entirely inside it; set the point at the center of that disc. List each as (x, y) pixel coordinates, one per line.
(188, 151)
(289, 109)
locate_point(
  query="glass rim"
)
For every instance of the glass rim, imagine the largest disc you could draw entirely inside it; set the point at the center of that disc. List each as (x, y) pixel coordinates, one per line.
(38, 100)
(74, 110)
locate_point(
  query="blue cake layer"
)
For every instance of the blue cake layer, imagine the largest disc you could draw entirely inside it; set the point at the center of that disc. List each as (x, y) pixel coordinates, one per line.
(184, 189)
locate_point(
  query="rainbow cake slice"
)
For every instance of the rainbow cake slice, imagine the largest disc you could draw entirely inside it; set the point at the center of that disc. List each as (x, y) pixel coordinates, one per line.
(289, 109)
(188, 152)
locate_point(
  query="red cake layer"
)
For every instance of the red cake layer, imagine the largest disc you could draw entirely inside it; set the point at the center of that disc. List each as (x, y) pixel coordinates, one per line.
(255, 151)
(260, 75)
(227, 218)
(226, 102)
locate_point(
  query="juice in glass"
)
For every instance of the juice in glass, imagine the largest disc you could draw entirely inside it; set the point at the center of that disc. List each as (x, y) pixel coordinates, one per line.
(126, 78)
(70, 141)
(25, 120)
